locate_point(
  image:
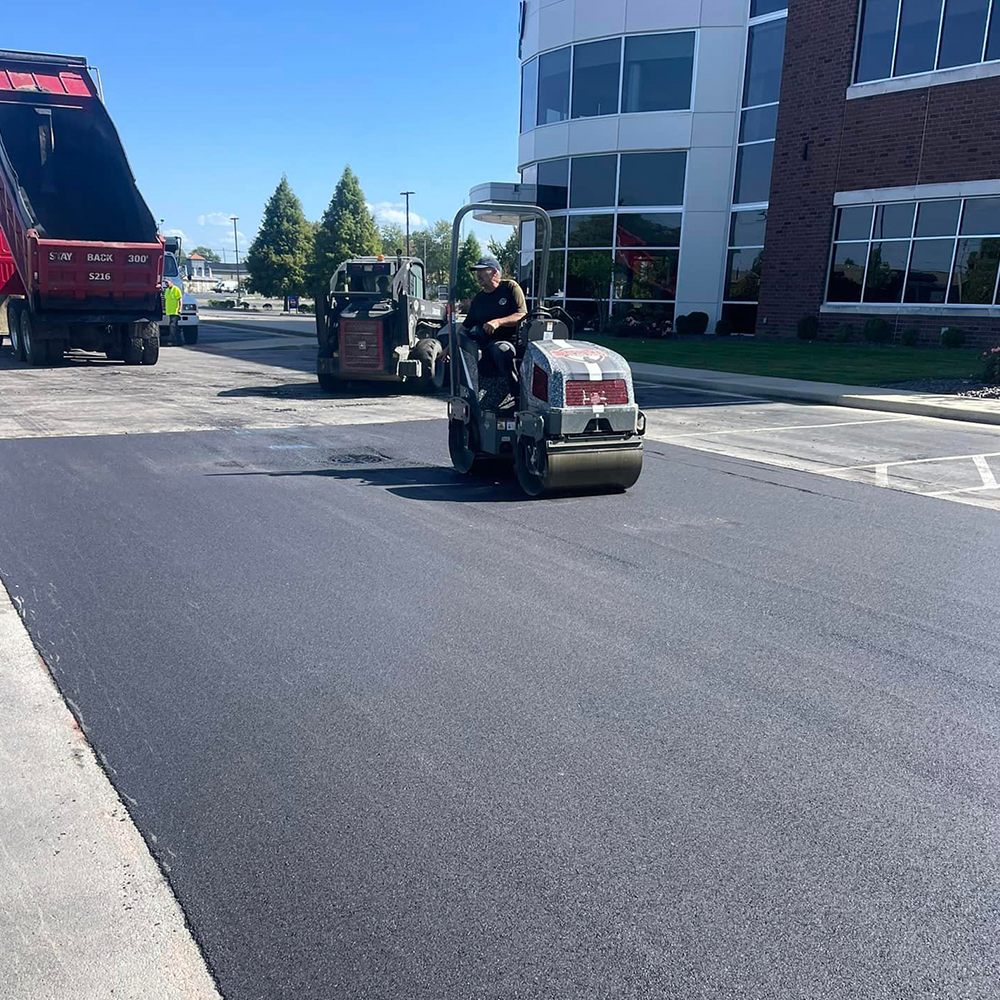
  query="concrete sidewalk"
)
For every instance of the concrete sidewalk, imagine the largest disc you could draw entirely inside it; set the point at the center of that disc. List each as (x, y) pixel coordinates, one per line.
(863, 397)
(85, 912)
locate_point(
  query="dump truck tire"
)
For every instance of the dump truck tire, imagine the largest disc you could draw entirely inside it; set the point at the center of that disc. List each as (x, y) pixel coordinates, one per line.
(131, 348)
(151, 351)
(14, 307)
(34, 349)
(428, 352)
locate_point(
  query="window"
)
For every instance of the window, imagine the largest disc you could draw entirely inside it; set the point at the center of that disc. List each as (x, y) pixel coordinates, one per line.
(903, 37)
(765, 52)
(553, 184)
(919, 21)
(878, 37)
(758, 7)
(589, 274)
(646, 274)
(962, 32)
(652, 179)
(416, 281)
(753, 173)
(659, 229)
(593, 183)
(591, 230)
(617, 266)
(943, 252)
(759, 124)
(553, 87)
(746, 252)
(596, 78)
(529, 95)
(658, 72)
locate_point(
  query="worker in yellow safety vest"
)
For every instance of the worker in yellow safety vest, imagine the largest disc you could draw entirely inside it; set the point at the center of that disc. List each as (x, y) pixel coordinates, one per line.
(172, 307)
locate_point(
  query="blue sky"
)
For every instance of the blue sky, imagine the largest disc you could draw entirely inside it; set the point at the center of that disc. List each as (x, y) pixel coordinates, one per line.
(214, 101)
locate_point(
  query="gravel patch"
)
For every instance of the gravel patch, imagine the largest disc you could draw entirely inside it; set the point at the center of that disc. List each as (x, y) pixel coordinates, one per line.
(968, 387)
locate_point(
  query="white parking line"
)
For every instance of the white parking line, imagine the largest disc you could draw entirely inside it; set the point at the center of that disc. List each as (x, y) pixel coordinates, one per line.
(912, 461)
(989, 480)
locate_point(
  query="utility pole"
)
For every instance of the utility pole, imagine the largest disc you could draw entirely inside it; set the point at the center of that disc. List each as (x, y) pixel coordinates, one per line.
(236, 242)
(406, 194)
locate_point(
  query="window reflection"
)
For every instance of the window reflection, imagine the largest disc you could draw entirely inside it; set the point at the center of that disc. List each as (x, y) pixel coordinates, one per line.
(658, 72)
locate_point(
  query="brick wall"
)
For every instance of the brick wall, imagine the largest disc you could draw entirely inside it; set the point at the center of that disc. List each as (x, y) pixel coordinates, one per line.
(826, 144)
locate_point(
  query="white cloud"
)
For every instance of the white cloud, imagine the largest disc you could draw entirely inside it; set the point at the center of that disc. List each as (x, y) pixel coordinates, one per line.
(175, 232)
(215, 219)
(395, 212)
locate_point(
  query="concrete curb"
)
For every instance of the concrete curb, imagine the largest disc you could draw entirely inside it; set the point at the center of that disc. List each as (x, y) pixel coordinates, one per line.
(827, 393)
(86, 910)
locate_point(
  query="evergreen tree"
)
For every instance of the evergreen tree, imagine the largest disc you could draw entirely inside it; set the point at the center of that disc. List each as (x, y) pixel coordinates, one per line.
(278, 256)
(347, 229)
(468, 255)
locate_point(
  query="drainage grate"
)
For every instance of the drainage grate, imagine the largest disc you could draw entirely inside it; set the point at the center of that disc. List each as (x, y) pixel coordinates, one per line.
(365, 456)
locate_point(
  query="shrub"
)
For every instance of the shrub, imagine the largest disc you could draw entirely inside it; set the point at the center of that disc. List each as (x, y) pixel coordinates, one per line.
(682, 324)
(952, 337)
(304, 307)
(910, 337)
(724, 328)
(844, 334)
(991, 366)
(697, 322)
(877, 330)
(808, 328)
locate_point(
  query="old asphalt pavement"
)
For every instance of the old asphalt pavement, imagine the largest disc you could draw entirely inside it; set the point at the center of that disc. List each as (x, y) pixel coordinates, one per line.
(388, 733)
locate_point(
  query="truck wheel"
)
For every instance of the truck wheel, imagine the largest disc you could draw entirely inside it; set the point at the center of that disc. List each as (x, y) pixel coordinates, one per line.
(14, 307)
(131, 349)
(327, 382)
(35, 350)
(427, 352)
(190, 335)
(151, 351)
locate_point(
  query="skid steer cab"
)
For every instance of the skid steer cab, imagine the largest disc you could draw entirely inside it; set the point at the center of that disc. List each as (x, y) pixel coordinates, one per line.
(376, 324)
(575, 424)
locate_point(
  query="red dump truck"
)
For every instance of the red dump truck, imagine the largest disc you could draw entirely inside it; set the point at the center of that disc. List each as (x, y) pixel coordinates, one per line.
(81, 261)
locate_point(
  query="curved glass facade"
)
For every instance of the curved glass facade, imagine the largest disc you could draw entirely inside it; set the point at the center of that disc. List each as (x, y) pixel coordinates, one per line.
(651, 148)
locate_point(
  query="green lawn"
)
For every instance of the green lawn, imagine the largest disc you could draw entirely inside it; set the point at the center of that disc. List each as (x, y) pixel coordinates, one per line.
(853, 364)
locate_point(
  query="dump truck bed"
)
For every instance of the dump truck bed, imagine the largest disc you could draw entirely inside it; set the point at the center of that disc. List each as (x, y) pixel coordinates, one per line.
(79, 234)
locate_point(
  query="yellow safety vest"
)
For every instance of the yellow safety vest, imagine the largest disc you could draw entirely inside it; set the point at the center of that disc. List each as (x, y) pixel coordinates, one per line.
(172, 300)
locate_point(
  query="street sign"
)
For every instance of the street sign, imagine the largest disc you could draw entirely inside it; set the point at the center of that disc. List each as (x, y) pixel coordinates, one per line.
(293, 303)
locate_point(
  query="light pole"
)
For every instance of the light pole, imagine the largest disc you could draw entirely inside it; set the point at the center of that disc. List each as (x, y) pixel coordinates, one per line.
(236, 242)
(406, 194)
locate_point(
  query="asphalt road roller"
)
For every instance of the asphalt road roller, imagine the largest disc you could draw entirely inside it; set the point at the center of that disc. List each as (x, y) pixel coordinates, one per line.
(574, 424)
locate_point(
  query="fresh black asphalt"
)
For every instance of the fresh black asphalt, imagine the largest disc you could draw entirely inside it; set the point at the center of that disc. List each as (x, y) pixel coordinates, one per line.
(393, 734)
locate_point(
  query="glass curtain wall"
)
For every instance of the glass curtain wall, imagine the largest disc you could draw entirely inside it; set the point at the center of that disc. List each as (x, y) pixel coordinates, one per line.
(754, 159)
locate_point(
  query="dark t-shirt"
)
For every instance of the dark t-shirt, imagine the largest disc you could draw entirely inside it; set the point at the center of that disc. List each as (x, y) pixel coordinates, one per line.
(505, 300)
